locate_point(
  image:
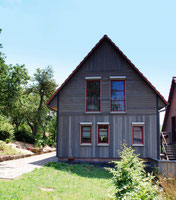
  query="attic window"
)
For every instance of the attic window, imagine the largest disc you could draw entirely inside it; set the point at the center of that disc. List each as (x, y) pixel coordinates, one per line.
(92, 95)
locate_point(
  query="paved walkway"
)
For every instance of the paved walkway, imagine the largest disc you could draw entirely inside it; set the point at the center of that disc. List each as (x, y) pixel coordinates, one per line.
(15, 168)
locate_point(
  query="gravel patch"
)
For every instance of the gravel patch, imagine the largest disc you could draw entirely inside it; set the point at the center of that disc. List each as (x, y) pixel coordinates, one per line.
(14, 168)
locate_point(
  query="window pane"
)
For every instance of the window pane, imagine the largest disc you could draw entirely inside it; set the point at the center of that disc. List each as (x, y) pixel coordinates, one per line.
(118, 95)
(118, 85)
(86, 134)
(138, 131)
(86, 140)
(93, 105)
(118, 105)
(86, 128)
(103, 134)
(93, 85)
(93, 95)
(138, 128)
(103, 127)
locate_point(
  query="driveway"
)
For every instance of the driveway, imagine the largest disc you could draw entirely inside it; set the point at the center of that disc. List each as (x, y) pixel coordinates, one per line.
(14, 168)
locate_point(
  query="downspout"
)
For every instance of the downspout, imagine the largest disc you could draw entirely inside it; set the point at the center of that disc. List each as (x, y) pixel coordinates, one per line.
(158, 127)
(57, 135)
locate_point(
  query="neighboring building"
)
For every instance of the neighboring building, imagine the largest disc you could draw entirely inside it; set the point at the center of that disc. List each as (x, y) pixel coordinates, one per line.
(169, 125)
(106, 100)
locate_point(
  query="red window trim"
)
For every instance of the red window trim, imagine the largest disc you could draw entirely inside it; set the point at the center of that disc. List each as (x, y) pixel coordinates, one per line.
(119, 100)
(81, 130)
(99, 95)
(133, 134)
(99, 125)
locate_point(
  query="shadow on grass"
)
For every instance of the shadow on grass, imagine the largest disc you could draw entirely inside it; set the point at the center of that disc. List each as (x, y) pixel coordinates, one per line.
(83, 170)
(44, 161)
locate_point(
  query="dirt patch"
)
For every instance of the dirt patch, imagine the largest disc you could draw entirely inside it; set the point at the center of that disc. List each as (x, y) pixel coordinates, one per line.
(22, 150)
(27, 148)
(48, 189)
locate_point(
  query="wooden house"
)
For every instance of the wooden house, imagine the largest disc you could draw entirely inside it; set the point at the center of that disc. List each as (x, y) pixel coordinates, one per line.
(106, 100)
(169, 125)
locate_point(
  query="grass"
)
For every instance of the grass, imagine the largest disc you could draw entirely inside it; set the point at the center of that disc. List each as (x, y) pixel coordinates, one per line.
(60, 181)
(6, 149)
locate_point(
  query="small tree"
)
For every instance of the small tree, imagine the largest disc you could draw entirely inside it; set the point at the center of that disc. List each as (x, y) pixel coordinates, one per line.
(130, 178)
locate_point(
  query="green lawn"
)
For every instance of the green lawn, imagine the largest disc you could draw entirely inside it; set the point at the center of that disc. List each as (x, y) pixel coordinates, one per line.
(64, 182)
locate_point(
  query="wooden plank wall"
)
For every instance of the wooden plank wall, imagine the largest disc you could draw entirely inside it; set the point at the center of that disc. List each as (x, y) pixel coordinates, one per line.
(140, 101)
(120, 130)
(165, 167)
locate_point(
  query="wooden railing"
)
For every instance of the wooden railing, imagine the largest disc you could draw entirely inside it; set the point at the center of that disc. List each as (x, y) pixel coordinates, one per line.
(164, 144)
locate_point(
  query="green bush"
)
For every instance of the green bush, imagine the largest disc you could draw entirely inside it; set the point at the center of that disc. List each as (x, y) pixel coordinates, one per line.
(6, 129)
(130, 178)
(41, 141)
(24, 136)
(4, 135)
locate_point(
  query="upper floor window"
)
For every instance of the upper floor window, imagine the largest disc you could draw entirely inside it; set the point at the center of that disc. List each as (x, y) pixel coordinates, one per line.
(117, 95)
(92, 95)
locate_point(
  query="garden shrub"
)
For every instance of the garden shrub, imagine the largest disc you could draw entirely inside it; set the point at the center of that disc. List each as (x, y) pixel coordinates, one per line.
(41, 141)
(130, 178)
(6, 129)
(4, 135)
(24, 136)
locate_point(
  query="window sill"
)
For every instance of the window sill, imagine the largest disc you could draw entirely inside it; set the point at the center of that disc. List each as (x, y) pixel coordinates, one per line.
(103, 145)
(137, 145)
(118, 112)
(84, 144)
(93, 112)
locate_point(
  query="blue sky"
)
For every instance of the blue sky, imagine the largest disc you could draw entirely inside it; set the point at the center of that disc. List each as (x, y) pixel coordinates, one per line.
(39, 33)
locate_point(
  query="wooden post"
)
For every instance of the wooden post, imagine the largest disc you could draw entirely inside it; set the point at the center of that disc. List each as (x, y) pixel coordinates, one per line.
(57, 136)
(158, 127)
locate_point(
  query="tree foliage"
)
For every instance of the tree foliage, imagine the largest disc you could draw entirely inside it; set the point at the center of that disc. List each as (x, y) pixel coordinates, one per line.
(23, 99)
(43, 85)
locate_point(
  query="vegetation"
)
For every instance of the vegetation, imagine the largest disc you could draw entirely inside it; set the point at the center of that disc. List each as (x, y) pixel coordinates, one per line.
(24, 115)
(169, 186)
(8, 149)
(60, 181)
(131, 180)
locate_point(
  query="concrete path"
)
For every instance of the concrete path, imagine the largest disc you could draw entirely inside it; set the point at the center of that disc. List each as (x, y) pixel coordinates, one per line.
(15, 168)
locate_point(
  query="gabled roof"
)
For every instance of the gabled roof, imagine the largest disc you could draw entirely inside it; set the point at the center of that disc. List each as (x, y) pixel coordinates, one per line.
(105, 37)
(173, 85)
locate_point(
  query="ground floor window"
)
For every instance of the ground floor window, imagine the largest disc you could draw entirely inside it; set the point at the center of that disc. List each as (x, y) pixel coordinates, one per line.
(103, 134)
(86, 134)
(137, 134)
